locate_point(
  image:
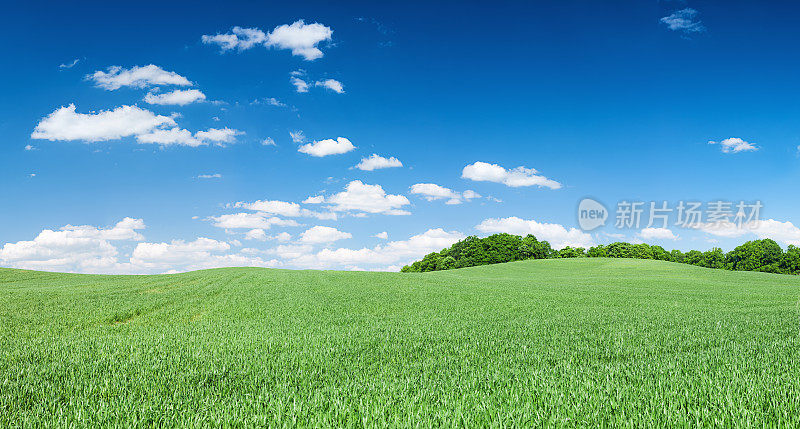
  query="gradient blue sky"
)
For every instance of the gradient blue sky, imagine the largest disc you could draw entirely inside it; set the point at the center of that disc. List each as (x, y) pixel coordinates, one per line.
(610, 101)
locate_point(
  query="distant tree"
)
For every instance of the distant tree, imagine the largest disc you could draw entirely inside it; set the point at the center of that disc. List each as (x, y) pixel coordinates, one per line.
(790, 261)
(660, 254)
(713, 258)
(693, 257)
(676, 256)
(640, 251)
(571, 252)
(756, 255)
(598, 251)
(618, 250)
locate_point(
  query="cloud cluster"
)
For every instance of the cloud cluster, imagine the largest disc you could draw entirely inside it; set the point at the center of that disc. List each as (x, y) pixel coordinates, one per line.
(72, 248)
(178, 97)
(735, 145)
(363, 198)
(389, 256)
(301, 38)
(327, 147)
(657, 234)
(782, 232)
(517, 177)
(323, 234)
(137, 77)
(558, 236)
(432, 191)
(376, 162)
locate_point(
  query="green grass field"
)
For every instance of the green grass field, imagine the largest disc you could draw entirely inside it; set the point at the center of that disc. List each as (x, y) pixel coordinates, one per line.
(566, 342)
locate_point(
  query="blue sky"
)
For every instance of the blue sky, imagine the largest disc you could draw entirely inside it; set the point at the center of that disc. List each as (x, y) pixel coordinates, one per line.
(613, 103)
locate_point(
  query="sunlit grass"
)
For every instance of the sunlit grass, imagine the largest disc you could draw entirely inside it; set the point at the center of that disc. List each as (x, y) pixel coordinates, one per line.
(571, 341)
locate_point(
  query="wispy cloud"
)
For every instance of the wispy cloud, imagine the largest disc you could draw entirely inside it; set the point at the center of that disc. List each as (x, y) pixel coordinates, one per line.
(684, 20)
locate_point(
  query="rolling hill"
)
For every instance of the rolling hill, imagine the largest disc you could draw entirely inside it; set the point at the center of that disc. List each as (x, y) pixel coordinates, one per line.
(583, 341)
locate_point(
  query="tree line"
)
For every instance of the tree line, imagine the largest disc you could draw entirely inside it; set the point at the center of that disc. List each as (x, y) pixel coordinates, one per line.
(757, 255)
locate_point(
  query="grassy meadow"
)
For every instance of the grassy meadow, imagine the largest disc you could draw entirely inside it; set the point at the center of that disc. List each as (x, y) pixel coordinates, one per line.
(565, 342)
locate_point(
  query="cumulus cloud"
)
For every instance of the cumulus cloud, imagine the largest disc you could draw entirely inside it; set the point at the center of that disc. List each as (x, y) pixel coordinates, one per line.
(735, 145)
(432, 191)
(138, 77)
(178, 97)
(323, 234)
(376, 162)
(382, 257)
(382, 235)
(520, 176)
(557, 235)
(66, 124)
(361, 197)
(249, 221)
(332, 84)
(782, 232)
(239, 38)
(327, 147)
(218, 135)
(202, 253)
(657, 234)
(282, 208)
(82, 248)
(301, 38)
(684, 20)
(182, 137)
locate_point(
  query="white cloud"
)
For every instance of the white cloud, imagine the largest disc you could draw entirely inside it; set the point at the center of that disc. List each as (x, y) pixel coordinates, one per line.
(124, 121)
(137, 77)
(301, 38)
(327, 147)
(381, 257)
(239, 38)
(297, 136)
(382, 235)
(657, 234)
(782, 232)
(274, 207)
(73, 248)
(210, 176)
(323, 234)
(299, 84)
(432, 191)
(256, 234)
(684, 20)
(316, 199)
(268, 142)
(283, 208)
(202, 253)
(557, 235)
(520, 176)
(182, 137)
(361, 197)
(735, 145)
(171, 136)
(219, 135)
(29, 147)
(179, 97)
(375, 162)
(249, 221)
(332, 84)
(70, 64)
